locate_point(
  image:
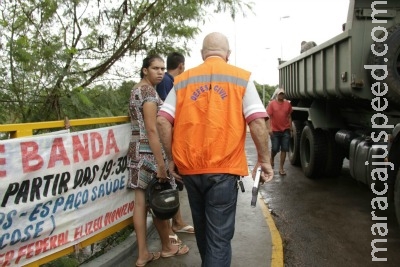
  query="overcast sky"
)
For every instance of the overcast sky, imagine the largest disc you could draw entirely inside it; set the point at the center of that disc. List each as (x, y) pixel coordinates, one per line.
(258, 40)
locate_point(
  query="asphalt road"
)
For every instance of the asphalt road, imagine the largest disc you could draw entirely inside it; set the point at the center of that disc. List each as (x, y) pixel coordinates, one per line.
(327, 222)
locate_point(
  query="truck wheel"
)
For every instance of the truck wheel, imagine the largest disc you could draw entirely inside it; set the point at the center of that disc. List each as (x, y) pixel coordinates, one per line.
(294, 148)
(313, 151)
(393, 62)
(397, 197)
(335, 156)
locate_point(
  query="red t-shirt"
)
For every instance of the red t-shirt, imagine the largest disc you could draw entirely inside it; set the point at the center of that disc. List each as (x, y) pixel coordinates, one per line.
(279, 113)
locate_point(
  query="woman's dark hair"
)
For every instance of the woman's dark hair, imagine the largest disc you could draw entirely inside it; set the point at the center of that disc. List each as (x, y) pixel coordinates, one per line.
(147, 62)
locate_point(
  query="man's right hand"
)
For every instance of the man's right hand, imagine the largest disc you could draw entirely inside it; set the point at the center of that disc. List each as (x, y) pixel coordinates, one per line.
(267, 172)
(173, 171)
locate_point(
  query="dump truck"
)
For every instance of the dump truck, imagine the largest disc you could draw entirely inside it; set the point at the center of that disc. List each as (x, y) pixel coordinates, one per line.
(345, 94)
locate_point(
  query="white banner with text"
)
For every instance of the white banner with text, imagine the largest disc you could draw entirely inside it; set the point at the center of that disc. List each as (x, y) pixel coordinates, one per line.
(58, 190)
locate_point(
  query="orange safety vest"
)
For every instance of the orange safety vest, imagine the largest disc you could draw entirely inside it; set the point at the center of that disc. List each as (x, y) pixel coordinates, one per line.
(210, 128)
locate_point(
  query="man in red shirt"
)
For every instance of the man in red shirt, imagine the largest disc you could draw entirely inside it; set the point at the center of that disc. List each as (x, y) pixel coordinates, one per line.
(279, 111)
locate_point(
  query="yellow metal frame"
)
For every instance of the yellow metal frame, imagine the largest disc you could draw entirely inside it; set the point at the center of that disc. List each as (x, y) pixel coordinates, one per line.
(26, 129)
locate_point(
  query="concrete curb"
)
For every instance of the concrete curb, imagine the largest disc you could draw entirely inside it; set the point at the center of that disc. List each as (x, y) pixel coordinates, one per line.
(119, 253)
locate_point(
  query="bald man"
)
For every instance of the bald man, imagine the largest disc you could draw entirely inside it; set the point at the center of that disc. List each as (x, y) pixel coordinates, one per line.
(208, 110)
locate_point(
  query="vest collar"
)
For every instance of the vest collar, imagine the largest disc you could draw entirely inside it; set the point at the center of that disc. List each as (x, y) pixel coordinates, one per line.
(214, 59)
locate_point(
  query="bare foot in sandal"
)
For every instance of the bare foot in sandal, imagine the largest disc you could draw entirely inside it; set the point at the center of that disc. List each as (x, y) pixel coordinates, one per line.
(183, 229)
(181, 250)
(174, 239)
(152, 257)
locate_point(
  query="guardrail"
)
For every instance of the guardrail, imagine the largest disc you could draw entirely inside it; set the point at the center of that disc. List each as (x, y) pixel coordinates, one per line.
(27, 129)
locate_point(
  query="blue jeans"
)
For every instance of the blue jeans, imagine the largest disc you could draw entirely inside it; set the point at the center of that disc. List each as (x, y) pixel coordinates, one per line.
(280, 141)
(212, 199)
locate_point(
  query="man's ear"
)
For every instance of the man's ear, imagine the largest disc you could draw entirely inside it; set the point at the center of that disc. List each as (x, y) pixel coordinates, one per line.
(227, 55)
(181, 67)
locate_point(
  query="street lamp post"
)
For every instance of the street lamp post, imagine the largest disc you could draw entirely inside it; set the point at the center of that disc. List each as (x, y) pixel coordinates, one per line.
(264, 95)
(263, 87)
(280, 22)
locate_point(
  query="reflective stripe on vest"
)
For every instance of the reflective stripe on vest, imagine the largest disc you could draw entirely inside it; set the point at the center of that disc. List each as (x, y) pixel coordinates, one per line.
(210, 128)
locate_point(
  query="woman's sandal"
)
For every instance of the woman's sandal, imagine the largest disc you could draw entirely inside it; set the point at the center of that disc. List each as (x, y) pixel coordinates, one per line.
(174, 239)
(182, 250)
(154, 256)
(186, 229)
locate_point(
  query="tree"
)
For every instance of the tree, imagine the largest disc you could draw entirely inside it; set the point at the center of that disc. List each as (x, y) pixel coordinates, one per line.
(52, 51)
(265, 91)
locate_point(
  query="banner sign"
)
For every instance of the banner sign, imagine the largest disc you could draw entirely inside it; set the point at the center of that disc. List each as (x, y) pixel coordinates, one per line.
(58, 190)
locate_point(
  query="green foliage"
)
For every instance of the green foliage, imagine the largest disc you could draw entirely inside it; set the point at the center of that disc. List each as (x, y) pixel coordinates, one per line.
(100, 101)
(48, 8)
(69, 261)
(21, 47)
(51, 47)
(76, 259)
(265, 92)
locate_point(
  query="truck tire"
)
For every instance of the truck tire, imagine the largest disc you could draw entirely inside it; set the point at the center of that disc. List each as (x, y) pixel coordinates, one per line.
(294, 148)
(313, 151)
(397, 196)
(393, 62)
(335, 156)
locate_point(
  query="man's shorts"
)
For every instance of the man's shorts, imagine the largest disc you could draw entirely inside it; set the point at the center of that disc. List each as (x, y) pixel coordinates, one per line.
(280, 141)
